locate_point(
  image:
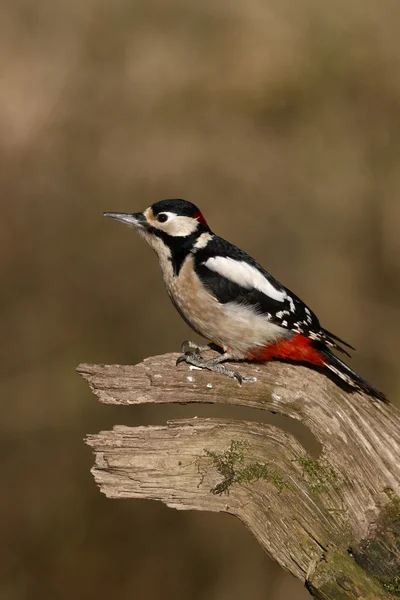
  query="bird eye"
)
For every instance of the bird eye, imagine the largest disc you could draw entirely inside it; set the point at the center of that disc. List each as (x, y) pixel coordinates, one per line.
(162, 217)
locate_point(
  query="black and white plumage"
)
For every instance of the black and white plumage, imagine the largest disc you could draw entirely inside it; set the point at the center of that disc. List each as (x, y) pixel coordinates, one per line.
(230, 299)
(233, 276)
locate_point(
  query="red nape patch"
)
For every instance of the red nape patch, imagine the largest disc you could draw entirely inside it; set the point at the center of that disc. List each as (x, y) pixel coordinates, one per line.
(198, 215)
(298, 348)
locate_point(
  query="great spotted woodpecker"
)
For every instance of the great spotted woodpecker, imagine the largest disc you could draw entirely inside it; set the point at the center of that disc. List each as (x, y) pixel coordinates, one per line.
(228, 298)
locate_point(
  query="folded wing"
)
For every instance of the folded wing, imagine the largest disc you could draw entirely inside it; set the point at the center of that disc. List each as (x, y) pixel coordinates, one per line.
(233, 276)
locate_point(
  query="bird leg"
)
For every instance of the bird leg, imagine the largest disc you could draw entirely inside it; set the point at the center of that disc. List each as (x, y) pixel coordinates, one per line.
(192, 345)
(213, 364)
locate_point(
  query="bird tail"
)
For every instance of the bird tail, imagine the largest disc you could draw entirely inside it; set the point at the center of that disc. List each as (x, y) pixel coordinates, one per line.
(332, 340)
(339, 368)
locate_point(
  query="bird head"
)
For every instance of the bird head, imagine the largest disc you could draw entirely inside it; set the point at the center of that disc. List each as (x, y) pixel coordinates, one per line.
(173, 222)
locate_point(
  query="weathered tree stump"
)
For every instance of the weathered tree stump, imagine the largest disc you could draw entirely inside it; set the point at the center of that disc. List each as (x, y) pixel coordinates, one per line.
(332, 521)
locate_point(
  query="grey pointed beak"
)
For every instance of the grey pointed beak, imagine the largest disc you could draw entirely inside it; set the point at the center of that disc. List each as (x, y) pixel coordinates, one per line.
(133, 219)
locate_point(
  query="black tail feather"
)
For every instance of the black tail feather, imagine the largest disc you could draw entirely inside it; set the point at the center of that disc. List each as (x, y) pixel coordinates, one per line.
(338, 339)
(337, 366)
(333, 344)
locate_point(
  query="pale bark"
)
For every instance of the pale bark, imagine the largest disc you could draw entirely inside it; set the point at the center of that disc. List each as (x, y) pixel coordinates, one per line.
(306, 513)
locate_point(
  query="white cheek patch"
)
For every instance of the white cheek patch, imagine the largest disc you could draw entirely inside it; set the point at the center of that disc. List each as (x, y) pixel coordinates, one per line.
(178, 226)
(244, 275)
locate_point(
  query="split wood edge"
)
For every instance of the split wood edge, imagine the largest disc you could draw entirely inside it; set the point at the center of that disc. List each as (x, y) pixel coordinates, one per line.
(315, 517)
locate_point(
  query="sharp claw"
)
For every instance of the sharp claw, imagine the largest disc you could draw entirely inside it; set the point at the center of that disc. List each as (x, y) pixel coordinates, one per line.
(181, 358)
(238, 377)
(242, 379)
(249, 379)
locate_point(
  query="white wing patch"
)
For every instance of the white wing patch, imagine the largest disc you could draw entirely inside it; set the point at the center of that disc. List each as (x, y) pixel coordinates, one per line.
(245, 275)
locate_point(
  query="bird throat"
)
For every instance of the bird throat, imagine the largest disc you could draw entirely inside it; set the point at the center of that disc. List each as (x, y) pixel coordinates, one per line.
(180, 247)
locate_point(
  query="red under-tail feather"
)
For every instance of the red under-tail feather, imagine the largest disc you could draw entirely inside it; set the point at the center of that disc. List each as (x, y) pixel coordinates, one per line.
(303, 349)
(298, 348)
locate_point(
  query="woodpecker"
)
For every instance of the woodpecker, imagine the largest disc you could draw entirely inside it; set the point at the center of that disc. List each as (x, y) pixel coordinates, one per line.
(231, 300)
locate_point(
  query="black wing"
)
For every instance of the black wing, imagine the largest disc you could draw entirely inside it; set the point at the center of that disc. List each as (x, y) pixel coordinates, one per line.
(288, 311)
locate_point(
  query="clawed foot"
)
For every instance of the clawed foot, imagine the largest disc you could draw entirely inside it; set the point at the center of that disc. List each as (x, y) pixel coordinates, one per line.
(194, 358)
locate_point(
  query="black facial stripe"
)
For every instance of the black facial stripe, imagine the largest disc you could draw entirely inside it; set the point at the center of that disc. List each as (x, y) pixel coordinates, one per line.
(180, 246)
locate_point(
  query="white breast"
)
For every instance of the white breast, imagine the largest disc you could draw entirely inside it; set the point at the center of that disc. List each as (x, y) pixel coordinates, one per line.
(234, 325)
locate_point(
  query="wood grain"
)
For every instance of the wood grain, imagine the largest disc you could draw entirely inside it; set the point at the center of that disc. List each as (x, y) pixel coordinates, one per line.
(311, 515)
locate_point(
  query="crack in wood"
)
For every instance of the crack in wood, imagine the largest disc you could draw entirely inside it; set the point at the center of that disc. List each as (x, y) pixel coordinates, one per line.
(360, 442)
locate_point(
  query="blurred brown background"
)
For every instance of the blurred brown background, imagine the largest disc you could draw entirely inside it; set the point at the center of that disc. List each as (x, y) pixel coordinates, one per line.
(281, 119)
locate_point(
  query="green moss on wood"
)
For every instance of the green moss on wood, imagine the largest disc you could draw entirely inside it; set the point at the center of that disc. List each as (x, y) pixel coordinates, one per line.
(379, 554)
(393, 587)
(256, 470)
(230, 465)
(318, 473)
(339, 577)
